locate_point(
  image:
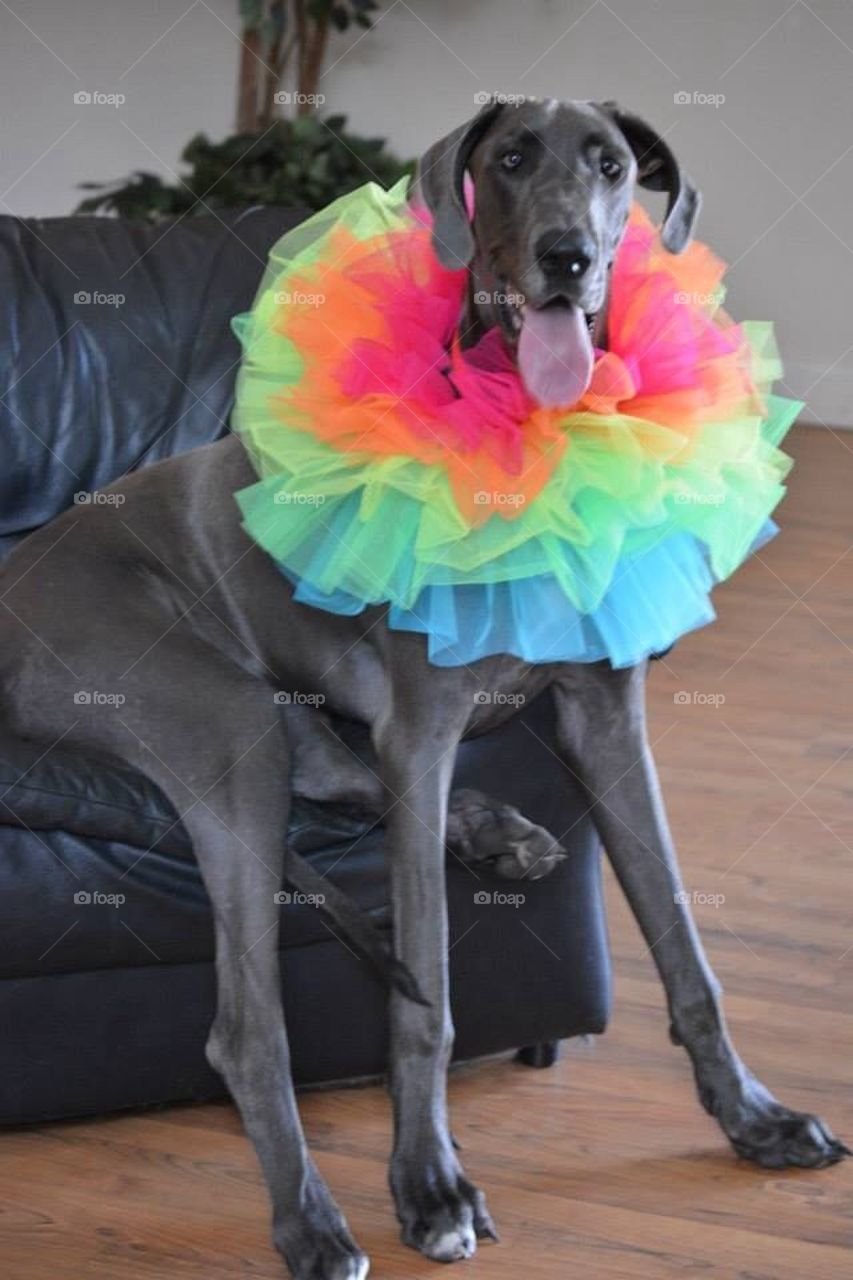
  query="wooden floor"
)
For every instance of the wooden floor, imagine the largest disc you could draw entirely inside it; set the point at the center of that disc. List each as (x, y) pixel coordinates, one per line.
(604, 1167)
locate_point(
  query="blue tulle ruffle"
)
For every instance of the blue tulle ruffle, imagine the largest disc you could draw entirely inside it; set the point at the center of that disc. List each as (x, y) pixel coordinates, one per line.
(655, 597)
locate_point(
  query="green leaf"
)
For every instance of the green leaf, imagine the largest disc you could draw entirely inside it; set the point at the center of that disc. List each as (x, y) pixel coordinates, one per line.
(299, 162)
(278, 16)
(251, 13)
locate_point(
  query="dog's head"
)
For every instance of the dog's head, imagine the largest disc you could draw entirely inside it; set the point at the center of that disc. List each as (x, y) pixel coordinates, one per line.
(553, 185)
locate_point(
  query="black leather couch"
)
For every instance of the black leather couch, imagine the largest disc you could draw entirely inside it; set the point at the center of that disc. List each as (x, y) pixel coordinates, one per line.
(116, 353)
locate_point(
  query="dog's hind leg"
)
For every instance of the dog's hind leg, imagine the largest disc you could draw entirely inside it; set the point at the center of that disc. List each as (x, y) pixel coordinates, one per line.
(602, 733)
(226, 771)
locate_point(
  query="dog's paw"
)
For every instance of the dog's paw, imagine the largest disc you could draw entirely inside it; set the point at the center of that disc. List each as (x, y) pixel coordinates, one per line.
(315, 1242)
(324, 1258)
(761, 1130)
(442, 1214)
(783, 1138)
(497, 838)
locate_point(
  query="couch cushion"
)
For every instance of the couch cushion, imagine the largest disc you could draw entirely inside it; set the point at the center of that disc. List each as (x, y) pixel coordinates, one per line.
(62, 790)
(99, 831)
(118, 347)
(97, 1040)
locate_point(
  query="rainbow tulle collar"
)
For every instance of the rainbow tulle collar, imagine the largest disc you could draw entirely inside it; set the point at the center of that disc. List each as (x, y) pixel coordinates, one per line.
(395, 469)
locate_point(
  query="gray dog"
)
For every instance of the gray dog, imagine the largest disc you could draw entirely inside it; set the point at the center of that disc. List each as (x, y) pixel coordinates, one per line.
(114, 603)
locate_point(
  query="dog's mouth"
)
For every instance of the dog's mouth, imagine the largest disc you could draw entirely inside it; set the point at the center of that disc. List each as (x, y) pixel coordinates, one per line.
(511, 307)
(553, 344)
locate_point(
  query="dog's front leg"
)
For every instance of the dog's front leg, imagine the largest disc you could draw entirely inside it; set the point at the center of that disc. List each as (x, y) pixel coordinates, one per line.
(441, 1213)
(602, 731)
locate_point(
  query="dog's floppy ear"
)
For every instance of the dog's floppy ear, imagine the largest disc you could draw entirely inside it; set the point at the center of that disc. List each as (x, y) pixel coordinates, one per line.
(658, 170)
(440, 183)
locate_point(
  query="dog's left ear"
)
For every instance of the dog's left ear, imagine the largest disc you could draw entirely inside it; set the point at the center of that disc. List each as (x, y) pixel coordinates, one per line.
(658, 170)
(440, 181)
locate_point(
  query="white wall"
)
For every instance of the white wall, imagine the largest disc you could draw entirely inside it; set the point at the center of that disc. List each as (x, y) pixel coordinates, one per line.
(775, 159)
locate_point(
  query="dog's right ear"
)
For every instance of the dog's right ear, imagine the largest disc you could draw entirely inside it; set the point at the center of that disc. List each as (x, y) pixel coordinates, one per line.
(440, 180)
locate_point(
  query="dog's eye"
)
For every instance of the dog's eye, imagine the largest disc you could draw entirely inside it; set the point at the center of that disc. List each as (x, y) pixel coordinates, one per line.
(511, 159)
(610, 168)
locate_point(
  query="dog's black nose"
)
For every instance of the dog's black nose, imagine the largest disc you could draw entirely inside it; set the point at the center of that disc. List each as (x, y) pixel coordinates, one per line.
(565, 253)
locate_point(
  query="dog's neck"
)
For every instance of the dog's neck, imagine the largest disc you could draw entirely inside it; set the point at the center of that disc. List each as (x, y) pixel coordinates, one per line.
(479, 309)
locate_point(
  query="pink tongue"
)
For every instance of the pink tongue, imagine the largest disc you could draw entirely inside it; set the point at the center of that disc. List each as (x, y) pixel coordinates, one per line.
(555, 355)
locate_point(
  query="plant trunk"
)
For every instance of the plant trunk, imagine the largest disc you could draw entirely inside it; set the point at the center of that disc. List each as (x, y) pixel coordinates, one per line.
(276, 63)
(247, 89)
(313, 50)
(301, 39)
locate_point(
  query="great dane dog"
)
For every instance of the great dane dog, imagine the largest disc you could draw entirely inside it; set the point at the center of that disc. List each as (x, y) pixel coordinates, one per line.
(113, 601)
